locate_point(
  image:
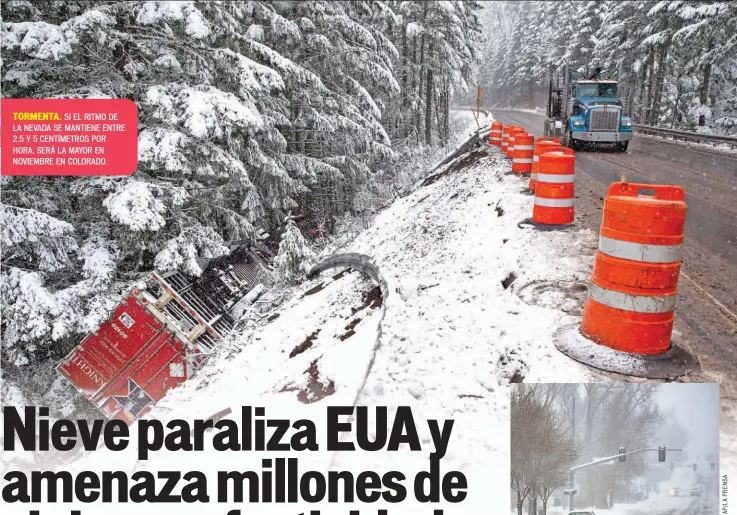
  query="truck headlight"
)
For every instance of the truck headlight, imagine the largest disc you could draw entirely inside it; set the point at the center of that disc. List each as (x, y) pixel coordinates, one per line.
(578, 123)
(627, 123)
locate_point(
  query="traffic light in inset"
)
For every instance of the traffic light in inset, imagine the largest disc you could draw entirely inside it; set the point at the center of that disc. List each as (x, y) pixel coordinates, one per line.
(661, 454)
(694, 467)
(622, 457)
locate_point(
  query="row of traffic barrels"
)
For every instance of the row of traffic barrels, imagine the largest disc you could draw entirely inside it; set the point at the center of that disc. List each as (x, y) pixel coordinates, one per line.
(550, 166)
(632, 291)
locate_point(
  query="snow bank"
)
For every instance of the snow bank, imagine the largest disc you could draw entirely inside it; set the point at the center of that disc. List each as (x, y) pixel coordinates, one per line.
(454, 337)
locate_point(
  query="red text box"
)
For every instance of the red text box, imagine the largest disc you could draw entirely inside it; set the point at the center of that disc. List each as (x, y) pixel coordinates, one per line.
(69, 136)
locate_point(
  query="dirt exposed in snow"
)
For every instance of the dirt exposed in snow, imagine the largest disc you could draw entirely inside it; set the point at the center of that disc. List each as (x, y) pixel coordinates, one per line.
(316, 388)
(507, 281)
(462, 163)
(306, 344)
(499, 211)
(314, 290)
(341, 274)
(372, 299)
(350, 329)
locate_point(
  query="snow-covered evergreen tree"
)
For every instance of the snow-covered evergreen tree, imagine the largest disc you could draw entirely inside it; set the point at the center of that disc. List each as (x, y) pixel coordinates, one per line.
(678, 59)
(246, 110)
(439, 44)
(295, 257)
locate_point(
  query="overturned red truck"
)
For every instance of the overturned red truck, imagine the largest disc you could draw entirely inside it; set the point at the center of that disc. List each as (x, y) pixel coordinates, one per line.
(157, 337)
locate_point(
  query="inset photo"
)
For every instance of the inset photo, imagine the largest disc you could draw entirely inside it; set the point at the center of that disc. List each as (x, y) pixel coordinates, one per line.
(614, 449)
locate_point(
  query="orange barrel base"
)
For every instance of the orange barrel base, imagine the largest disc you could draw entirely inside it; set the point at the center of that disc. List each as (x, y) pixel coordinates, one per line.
(627, 331)
(551, 215)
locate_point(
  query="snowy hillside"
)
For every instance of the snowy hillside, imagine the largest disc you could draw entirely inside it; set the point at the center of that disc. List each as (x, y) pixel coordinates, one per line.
(473, 302)
(458, 327)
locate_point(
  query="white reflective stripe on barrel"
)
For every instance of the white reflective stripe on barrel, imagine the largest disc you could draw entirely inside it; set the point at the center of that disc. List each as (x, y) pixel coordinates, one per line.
(637, 303)
(523, 147)
(640, 251)
(535, 159)
(556, 178)
(521, 160)
(553, 202)
(533, 177)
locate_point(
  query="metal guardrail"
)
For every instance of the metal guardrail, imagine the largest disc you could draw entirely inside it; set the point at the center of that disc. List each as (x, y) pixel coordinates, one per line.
(354, 260)
(694, 137)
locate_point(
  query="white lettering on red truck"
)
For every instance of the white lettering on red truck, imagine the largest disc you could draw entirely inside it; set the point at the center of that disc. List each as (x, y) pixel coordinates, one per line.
(87, 370)
(118, 330)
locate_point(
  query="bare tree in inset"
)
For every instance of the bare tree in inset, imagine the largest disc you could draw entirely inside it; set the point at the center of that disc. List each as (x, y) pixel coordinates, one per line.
(556, 467)
(541, 450)
(632, 410)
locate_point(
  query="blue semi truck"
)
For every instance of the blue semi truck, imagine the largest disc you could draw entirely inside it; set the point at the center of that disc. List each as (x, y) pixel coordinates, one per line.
(584, 110)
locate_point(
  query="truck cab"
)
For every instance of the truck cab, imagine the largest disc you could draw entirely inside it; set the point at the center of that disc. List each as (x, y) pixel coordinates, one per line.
(587, 109)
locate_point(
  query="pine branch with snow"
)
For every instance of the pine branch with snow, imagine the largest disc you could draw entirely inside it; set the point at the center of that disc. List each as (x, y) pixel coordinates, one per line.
(295, 258)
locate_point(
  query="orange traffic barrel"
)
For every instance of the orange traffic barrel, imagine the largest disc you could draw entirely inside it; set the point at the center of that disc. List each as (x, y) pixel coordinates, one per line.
(632, 293)
(555, 187)
(542, 145)
(511, 139)
(522, 156)
(505, 136)
(495, 137)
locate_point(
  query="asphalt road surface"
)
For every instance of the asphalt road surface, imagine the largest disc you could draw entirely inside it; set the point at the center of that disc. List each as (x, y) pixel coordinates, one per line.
(706, 314)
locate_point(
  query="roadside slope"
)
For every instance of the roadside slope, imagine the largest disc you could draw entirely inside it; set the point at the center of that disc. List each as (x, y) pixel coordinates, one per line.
(463, 320)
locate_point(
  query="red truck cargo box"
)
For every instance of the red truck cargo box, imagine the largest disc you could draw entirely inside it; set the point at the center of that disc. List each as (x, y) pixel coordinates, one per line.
(158, 337)
(128, 364)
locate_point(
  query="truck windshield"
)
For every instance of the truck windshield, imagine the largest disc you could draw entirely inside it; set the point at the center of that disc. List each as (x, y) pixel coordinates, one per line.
(596, 90)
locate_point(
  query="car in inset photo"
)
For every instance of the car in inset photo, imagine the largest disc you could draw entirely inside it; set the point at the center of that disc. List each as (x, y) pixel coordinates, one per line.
(674, 492)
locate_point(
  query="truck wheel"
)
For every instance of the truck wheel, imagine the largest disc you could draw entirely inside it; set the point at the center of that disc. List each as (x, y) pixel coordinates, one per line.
(622, 146)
